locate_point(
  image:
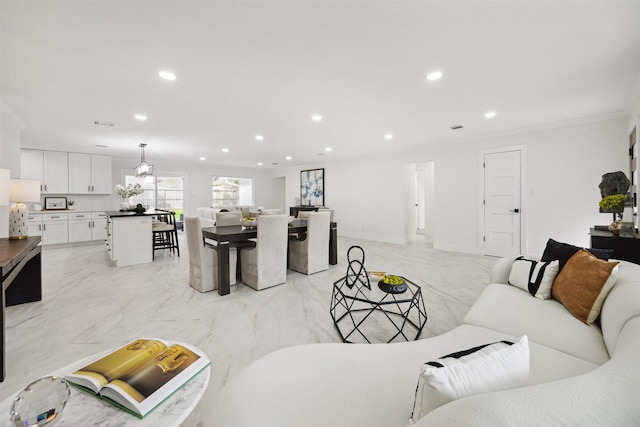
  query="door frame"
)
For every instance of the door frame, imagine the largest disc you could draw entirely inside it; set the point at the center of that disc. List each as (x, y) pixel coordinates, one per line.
(523, 191)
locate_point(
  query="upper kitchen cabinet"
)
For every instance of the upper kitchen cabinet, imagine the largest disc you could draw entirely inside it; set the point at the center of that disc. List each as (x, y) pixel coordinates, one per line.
(49, 167)
(89, 174)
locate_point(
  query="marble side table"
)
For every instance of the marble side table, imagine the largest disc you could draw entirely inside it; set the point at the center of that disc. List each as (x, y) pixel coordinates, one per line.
(84, 409)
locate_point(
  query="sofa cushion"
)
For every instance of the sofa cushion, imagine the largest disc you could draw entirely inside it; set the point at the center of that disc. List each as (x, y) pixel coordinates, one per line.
(491, 367)
(511, 310)
(583, 284)
(533, 276)
(356, 385)
(563, 251)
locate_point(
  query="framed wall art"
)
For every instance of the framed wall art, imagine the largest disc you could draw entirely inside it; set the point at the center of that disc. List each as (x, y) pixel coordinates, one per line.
(55, 203)
(312, 187)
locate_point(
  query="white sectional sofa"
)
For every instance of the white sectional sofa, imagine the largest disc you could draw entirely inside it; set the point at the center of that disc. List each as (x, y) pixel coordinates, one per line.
(580, 375)
(207, 216)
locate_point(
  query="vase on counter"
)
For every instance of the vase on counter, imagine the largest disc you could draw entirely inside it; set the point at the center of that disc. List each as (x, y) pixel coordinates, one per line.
(125, 205)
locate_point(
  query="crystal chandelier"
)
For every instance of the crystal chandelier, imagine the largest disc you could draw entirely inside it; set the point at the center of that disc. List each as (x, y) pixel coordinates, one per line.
(143, 168)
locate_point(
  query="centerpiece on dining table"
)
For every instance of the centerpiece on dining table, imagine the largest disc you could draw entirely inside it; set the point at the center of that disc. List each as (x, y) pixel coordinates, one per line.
(249, 222)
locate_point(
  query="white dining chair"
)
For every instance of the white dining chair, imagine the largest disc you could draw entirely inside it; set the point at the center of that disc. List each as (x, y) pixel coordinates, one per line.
(203, 259)
(265, 265)
(224, 219)
(311, 254)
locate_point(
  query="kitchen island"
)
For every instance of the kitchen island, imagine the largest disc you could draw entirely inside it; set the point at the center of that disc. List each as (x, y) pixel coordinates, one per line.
(129, 240)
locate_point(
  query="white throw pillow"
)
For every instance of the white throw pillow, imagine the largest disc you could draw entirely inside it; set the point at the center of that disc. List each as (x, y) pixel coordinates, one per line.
(491, 367)
(533, 276)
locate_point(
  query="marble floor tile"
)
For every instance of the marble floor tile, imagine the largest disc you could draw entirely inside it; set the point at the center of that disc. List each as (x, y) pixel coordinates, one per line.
(89, 305)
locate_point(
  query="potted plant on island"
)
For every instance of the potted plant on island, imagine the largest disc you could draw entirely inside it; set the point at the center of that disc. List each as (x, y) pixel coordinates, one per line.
(71, 205)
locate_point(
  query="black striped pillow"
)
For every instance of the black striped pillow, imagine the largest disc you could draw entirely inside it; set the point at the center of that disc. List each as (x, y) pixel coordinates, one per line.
(533, 276)
(492, 367)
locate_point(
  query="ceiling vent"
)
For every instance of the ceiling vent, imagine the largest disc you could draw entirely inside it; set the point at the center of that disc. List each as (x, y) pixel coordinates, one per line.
(456, 127)
(104, 124)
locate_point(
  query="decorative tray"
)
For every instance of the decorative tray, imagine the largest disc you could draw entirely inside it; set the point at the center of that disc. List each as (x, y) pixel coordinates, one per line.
(397, 286)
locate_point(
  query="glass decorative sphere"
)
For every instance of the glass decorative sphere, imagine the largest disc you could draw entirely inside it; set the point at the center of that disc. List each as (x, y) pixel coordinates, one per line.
(41, 402)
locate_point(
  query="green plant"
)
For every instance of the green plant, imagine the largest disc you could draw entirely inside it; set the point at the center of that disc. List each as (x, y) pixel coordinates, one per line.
(392, 280)
(613, 203)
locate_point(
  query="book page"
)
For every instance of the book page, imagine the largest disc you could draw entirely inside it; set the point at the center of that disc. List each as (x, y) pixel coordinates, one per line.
(122, 361)
(148, 378)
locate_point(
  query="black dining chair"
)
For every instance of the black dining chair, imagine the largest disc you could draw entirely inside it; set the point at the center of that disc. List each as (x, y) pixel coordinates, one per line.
(165, 232)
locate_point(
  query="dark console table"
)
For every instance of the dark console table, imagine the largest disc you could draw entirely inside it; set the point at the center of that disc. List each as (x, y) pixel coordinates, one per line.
(624, 248)
(20, 263)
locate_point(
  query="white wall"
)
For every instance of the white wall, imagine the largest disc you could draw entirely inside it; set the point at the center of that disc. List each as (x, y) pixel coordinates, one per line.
(10, 129)
(367, 194)
(564, 167)
(634, 122)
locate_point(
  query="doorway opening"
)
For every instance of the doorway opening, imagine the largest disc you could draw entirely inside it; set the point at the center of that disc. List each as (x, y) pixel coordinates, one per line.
(425, 201)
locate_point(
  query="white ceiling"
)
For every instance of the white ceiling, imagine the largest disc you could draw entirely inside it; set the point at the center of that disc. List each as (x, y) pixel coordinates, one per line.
(263, 67)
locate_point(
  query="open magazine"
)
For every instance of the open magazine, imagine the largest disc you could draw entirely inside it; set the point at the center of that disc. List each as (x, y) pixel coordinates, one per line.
(142, 374)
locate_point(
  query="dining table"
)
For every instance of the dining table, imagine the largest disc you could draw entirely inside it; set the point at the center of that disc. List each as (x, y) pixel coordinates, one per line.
(230, 234)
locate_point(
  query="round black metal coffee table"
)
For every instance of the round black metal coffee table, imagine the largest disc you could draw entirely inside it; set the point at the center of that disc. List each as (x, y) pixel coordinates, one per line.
(363, 315)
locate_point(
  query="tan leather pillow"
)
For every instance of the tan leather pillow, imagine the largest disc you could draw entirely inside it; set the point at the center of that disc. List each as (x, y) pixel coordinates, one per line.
(583, 284)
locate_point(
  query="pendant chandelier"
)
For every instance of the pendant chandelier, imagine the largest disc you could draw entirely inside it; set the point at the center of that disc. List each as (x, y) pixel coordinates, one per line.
(143, 168)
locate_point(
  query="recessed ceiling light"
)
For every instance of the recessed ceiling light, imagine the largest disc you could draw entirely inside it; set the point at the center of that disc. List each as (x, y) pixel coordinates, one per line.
(259, 163)
(489, 114)
(259, 137)
(434, 75)
(316, 117)
(328, 149)
(203, 158)
(388, 136)
(140, 117)
(225, 150)
(167, 75)
(288, 157)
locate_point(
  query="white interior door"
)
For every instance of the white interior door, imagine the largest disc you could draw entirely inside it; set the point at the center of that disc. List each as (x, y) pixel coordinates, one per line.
(502, 203)
(420, 199)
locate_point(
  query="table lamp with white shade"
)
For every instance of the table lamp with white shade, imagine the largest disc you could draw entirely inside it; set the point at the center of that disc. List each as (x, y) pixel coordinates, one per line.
(20, 191)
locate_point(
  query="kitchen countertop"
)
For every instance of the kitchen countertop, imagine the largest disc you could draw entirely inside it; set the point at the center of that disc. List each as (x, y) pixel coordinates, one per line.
(125, 214)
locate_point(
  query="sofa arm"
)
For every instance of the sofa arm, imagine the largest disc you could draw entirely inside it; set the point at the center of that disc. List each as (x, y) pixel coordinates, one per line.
(501, 269)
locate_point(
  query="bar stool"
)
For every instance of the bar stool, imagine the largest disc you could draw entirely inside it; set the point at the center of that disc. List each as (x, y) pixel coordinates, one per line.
(165, 232)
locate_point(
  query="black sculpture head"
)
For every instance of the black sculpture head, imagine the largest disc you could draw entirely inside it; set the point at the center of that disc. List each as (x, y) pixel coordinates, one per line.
(614, 183)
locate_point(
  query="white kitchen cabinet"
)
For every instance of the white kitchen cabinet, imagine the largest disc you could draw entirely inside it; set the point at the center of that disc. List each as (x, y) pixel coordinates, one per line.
(101, 175)
(51, 168)
(34, 223)
(55, 228)
(32, 165)
(79, 227)
(89, 174)
(98, 226)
